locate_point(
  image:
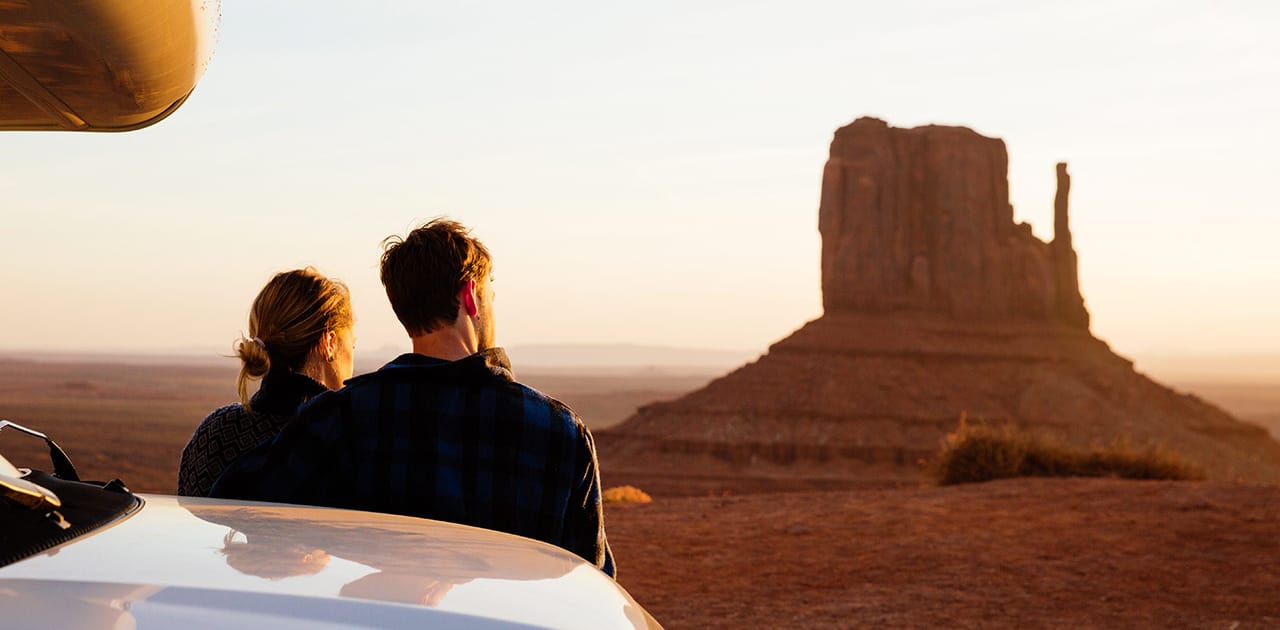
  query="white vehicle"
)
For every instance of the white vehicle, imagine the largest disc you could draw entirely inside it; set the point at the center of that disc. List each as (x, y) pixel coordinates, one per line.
(79, 555)
(86, 555)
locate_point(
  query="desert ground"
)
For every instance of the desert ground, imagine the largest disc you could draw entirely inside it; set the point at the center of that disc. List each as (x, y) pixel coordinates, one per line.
(131, 420)
(1043, 553)
(721, 548)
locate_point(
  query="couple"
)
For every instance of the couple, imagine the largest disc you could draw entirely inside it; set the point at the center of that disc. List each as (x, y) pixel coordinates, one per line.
(443, 432)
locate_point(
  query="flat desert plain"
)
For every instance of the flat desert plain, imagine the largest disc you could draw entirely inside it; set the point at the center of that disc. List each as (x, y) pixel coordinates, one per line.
(767, 550)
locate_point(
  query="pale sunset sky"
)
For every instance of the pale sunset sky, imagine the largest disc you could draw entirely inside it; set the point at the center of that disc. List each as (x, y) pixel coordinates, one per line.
(649, 173)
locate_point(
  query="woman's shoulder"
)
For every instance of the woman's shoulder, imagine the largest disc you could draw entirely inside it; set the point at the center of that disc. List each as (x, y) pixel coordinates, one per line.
(221, 414)
(221, 437)
(235, 418)
(233, 424)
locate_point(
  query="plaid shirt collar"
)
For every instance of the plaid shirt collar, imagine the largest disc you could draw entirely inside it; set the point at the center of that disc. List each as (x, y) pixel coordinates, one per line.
(480, 366)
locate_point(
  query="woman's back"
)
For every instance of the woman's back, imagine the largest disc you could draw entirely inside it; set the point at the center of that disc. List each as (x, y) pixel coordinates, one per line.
(233, 429)
(300, 344)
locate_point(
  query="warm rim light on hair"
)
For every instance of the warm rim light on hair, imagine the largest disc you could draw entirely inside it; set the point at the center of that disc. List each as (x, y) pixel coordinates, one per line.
(289, 315)
(424, 271)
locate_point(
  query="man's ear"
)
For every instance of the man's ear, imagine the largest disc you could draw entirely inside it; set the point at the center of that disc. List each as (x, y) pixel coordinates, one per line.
(467, 298)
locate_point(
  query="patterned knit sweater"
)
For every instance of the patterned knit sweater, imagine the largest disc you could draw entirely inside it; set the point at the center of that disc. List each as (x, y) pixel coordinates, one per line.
(232, 430)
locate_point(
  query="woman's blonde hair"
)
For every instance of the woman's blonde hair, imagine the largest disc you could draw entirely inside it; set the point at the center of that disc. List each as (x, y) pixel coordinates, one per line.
(286, 321)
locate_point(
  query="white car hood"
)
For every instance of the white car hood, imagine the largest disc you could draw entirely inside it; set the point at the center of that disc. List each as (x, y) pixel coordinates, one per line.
(195, 563)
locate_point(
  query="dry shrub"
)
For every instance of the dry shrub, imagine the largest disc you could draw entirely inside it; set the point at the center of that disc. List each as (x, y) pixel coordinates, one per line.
(626, 494)
(979, 452)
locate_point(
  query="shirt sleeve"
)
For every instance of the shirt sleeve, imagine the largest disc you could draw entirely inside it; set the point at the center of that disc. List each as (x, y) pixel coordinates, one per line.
(584, 524)
(193, 468)
(203, 458)
(296, 466)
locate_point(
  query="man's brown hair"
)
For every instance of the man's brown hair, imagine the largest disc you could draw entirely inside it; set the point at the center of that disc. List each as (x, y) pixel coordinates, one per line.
(424, 271)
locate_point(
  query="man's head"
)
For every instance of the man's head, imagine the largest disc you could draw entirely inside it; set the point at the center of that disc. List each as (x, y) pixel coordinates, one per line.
(435, 274)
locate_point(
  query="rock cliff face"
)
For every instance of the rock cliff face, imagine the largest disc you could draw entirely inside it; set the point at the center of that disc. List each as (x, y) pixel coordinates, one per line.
(919, 220)
(936, 305)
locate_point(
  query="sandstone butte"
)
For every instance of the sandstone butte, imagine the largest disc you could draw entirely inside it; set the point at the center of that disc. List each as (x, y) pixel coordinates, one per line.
(936, 305)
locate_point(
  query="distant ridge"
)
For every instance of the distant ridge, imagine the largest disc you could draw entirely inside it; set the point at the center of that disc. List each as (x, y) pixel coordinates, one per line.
(1216, 368)
(191, 359)
(623, 355)
(613, 357)
(1233, 367)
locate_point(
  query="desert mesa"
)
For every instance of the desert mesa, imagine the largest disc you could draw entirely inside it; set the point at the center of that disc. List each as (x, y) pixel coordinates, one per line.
(937, 306)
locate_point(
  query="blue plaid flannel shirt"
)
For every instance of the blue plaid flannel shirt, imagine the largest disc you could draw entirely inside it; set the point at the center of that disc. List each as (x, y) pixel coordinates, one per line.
(456, 441)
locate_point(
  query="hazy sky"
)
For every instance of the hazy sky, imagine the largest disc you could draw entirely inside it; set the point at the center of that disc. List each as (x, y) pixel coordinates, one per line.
(649, 172)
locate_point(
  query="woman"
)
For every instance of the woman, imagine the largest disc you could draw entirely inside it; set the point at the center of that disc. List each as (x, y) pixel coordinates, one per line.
(301, 342)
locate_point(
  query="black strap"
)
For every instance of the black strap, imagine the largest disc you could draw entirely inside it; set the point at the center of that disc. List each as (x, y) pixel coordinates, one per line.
(62, 466)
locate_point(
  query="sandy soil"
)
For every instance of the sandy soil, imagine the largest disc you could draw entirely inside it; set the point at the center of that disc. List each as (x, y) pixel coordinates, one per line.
(1020, 553)
(791, 548)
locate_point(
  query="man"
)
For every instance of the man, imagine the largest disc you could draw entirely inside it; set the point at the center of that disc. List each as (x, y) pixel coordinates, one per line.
(443, 432)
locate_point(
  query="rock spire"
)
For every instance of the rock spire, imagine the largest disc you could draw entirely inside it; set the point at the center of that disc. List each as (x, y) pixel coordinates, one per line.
(919, 220)
(937, 306)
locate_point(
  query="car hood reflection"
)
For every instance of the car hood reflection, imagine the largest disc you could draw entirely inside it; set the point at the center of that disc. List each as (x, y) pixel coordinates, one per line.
(194, 553)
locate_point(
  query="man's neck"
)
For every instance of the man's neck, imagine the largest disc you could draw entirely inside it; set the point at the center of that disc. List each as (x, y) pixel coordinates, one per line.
(444, 344)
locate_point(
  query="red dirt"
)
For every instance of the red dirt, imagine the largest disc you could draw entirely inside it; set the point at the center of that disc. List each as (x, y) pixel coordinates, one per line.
(800, 547)
(1048, 553)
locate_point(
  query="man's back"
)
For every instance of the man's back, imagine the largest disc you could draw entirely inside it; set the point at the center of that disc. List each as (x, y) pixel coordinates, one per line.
(456, 441)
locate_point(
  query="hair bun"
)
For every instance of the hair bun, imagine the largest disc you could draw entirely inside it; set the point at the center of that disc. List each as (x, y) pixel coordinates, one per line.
(253, 354)
(288, 318)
